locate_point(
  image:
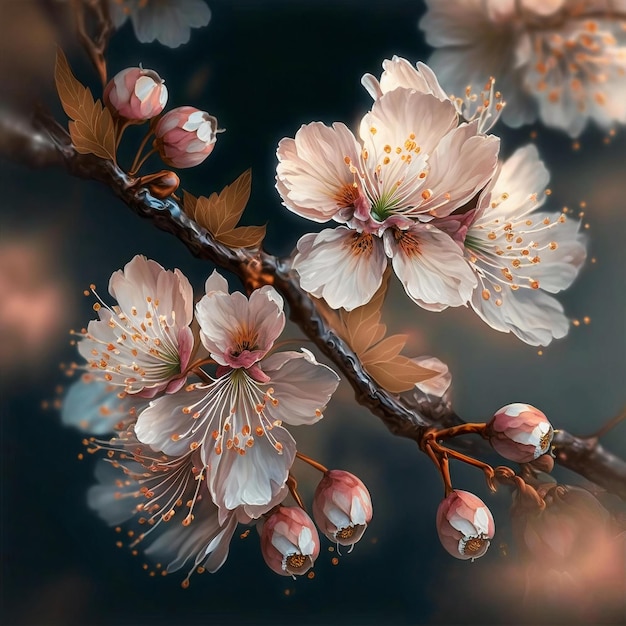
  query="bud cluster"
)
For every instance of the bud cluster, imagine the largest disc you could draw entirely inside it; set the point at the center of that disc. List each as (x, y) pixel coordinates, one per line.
(184, 136)
(342, 509)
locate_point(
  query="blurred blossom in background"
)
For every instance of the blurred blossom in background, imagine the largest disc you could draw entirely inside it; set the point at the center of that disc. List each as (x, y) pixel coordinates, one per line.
(264, 68)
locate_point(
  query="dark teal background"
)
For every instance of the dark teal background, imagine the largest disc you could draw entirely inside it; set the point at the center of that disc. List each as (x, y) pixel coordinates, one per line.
(263, 69)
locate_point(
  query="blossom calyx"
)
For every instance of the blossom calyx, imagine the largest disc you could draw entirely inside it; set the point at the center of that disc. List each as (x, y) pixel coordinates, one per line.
(465, 525)
(289, 541)
(136, 94)
(520, 432)
(185, 136)
(342, 507)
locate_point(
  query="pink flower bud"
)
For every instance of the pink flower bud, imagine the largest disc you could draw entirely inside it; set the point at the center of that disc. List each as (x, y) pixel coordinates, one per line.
(185, 136)
(289, 541)
(342, 507)
(465, 525)
(565, 530)
(136, 94)
(520, 432)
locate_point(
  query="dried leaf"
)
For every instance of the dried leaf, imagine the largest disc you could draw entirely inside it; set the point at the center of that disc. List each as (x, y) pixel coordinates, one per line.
(220, 213)
(92, 128)
(381, 358)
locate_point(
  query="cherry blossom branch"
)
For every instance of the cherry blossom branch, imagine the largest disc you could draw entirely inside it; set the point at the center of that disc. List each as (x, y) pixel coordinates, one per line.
(45, 143)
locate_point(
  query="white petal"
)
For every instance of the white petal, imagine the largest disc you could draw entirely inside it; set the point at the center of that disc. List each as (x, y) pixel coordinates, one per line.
(301, 385)
(430, 266)
(333, 266)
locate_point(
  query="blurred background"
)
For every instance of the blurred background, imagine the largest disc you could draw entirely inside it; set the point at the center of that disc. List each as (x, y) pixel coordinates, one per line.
(263, 68)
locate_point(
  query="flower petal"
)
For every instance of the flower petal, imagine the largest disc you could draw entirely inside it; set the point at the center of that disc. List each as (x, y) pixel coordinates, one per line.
(302, 386)
(340, 265)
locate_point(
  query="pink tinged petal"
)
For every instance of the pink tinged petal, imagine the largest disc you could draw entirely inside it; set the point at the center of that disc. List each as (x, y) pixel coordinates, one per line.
(252, 480)
(216, 282)
(461, 165)
(302, 387)
(401, 113)
(340, 265)
(313, 175)
(430, 266)
(239, 332)
(439, 384)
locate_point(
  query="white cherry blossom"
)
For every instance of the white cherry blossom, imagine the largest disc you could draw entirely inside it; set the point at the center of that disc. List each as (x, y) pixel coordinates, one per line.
(519, 253)
(235, 420)
(144, 343)
(563, 61)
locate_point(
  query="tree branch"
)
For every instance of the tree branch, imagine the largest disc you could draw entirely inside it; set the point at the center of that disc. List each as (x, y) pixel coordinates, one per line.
(45, 143)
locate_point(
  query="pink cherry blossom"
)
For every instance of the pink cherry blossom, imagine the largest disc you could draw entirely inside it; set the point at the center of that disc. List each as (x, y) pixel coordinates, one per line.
(465, 525)
(235, 420)
(415, 161)
(289, 541)
(520, 432)
(136, 94)
(185, 136)
(342, 507)
(144, 343)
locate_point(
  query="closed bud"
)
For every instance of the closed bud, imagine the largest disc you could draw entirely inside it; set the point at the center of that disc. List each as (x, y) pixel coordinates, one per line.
(289, 541)
(342, 507)
(520, 432)
(465, 525)
(136, 94)
(185, 136)
(566, 530)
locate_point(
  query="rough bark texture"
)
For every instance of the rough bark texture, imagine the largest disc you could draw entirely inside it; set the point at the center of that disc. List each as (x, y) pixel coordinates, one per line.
(44, 143)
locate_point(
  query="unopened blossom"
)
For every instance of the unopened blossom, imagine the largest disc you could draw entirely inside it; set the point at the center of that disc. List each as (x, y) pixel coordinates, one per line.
(564, 533)
(167, 502)
(144, 343)
(563, 61)
(465, 525)
(416, 160)
(289, 541)
(136, 94)
(168, 21)
(185, 136)
(519, 255)
(235, 420)
(520, 432)
(342, 507)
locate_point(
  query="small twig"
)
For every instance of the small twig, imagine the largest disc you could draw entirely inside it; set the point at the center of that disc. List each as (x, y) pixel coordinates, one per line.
(311, 462)
(94, 46)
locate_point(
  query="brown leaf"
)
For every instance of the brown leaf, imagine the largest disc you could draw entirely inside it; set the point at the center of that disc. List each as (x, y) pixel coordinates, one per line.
(381, 358)
(220, 213)
(399, 374)
(92, 128)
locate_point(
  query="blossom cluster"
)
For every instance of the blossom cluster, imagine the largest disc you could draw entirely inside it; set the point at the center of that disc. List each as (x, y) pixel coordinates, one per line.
(562, 61)
(197, 450)
(424, 188)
